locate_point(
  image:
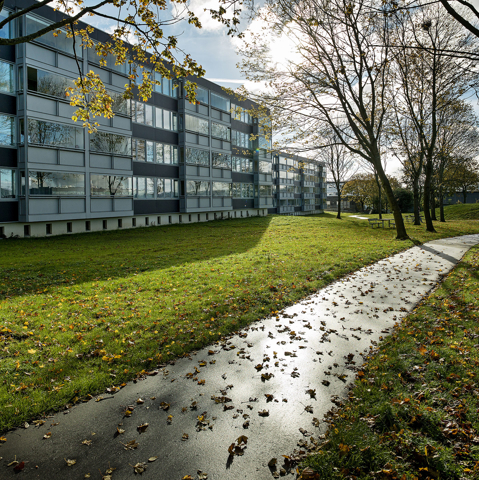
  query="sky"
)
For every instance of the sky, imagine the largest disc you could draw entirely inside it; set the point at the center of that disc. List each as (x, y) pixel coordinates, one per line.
(212, 48)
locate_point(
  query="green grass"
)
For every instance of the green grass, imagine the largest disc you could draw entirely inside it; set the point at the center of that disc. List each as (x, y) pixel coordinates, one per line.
(82, 313)
(467, 211)
(413, 412)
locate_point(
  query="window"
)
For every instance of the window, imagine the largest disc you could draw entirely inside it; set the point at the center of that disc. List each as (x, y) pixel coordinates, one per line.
(247, 190)
(119, 104)
(47, 83)
(222, 189)
(198, 188)
(143, 187)
(60, 42)
(221, 160)
(166, 188)
(150, 152)
(56, 183)
(5, 31)
(220, 131)
(54, 134)
(264, 167)
(265, 190)
(7, 129)
(219, 102)
(8, 185)
(165, 86)
(6, 77)
(196, 124)
(243, 165)
(149, 115)
(143, 150)
(241, 139)
(111, 185)
(202, 95)
(48, 228)
(110, 143)
(109, 60)
(196, 156)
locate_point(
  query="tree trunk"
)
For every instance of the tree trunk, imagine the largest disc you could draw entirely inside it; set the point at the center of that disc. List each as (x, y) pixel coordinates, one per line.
(442, 218)
(338, 216)
(401, 233)
(415, 189)
(427, 196)
(433, 204)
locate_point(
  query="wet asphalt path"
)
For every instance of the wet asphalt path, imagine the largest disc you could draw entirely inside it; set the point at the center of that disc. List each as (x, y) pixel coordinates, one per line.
(273, 382)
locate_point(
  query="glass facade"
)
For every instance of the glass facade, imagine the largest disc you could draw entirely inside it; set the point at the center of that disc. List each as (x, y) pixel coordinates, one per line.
(198, 188)
(47, 83)
(8, 188)
(54, 134)
(111, 185)
(7, 84)
(220, 102)
(196, 124)
(220, 131)
(56, 183)
(196, 156)
(110, 143)
(7, 129)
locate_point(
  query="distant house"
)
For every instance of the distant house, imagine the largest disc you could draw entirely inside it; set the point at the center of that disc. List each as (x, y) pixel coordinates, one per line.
(332, 199)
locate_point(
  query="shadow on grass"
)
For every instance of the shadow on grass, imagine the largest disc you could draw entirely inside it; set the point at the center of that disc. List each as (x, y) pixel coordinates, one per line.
(37, 264)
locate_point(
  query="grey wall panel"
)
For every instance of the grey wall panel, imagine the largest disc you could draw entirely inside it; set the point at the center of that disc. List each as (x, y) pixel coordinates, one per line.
(74, 159)
(191, 170)
(145, 207)
(154, 134)
(226, 117)
(189, 106)
(192, 202)
(8, 211)
(100, 161)
(217, 173)
(215, 114)
(155, 170)
(68, 64)
(118, 80)
(205, 202)
(42, 206)
(7, 52)
(205, 141)
(8, 157)
(217, 202)
(101, 205)
(72, 205)
(122, 163)
(37, 53)
(121, 122)
(203, 109)
(239, 203)
(191, 138)
(103, 121)
(42, 155)
(164, 102)
(103, 74)
(122, 204)
(228, 202)
(203, 171)
(66, 110)
(242, 177)
(215, 143)
(8, 104)
(43, 105)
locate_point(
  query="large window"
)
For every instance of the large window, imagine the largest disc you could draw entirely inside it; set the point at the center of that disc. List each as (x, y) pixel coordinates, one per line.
(6, 77)
(153, 116)
(54, 134)
(110, 185)
(196, 156)
(47, 83)
(220, 102)
(202, 95)
(143, 187)
(110, 143)
(241, 114)
(241, 139)
(221, 160)
(265, 190)
(56, 183)
(8, 183)
(110, 60)
(242, 190)
(165, 86)
(222, 189)
(243, 165)
(5, 31)
(60, 41)
(7, 129)
(196, 124)
(220, 131)
(119, 103)
(166, 188)
(147, 151)
(198, 188)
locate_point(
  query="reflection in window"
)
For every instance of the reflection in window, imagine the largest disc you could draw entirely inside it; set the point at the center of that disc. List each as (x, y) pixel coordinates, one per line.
(198, 188)
(7, 183)
(110, 143)
(143, 150)
(220, 102)
(60, 42)
(265, 190)
(56, 183)
(110, 185)
(119, 104)
(150, 152)
(264, 167)
(196, 156)
(6, 77)
(220, 131)
(241, 139)
(47, 83)
(202, 95)
(243, 165)
(196, 124)
(166, 188)
(165, 86)
(222, 189)
(5, 31)
(110, 59)
(7, 129)
(143, 187)
(148, 115)
(242, 190)
(54, 134)
(221, 160)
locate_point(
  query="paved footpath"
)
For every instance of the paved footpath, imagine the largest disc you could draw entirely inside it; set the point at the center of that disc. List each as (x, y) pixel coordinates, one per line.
(273, 383)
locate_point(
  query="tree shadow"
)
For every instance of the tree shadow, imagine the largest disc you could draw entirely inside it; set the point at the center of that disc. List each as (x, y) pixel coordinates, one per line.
(35, 265)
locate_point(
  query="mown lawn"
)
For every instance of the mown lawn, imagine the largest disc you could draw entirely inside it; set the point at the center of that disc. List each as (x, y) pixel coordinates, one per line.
(413, 412)
(82, 313)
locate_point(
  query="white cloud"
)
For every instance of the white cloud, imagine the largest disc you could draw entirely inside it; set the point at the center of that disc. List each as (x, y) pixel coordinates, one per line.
(209, 24)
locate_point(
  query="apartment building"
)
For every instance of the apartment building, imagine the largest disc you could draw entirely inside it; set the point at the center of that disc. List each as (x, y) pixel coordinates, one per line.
(158, 162)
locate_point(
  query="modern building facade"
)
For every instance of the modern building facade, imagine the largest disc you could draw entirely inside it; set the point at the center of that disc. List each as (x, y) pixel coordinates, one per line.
(157, 162)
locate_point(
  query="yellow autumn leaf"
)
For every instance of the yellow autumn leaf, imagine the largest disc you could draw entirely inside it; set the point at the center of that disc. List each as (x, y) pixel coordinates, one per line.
(32, 351)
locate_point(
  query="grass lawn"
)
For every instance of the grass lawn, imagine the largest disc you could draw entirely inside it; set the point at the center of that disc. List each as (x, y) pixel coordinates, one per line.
(82, 313)
(413, 412)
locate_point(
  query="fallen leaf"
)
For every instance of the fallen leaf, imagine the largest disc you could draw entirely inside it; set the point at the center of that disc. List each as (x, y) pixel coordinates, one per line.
(152, 459)
(120, 430)
(140, 467)
(164, 406)
(184, 437)
(272, 462)
(47, 435)
(70, 462)
(19, 467)
(140, 401)
(31, 351)
(86, 442)
(263, 413)
(202, 475)
(309, 408)
(269, 397)
(131, 445)
(3, 439)
(169, 419)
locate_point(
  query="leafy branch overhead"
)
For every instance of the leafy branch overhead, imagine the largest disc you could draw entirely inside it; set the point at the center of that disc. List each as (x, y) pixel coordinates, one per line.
(139, 40)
